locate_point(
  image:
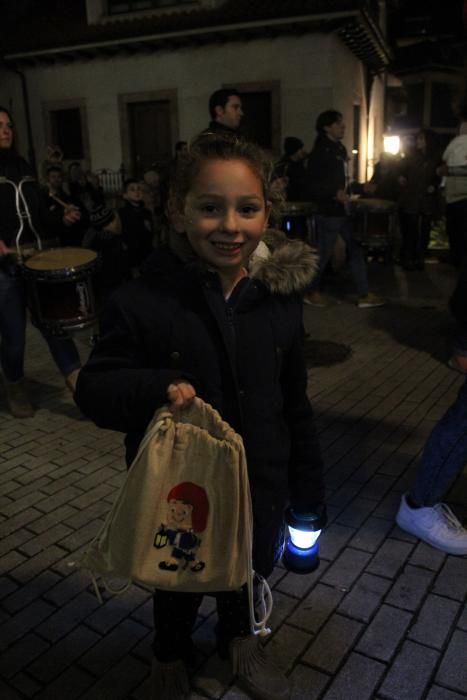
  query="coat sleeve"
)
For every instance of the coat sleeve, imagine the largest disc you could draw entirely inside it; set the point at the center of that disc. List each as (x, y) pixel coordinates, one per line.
(118, 388)
(306, 482)
(323, 176)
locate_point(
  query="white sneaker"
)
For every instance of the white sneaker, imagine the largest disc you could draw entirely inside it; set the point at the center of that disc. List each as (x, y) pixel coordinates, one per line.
(437, 526)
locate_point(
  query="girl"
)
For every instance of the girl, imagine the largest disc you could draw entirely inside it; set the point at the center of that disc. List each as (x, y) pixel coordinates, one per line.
(209, 317)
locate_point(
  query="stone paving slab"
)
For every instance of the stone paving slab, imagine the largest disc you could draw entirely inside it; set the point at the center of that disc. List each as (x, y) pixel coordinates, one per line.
(384, 616)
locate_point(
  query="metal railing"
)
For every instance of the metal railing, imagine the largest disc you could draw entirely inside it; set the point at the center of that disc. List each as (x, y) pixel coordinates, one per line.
(111, 181)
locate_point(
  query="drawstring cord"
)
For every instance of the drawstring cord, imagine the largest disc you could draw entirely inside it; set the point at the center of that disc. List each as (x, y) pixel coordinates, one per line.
(264, 603)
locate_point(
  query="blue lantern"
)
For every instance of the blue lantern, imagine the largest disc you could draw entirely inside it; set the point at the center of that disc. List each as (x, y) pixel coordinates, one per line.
(301, 552)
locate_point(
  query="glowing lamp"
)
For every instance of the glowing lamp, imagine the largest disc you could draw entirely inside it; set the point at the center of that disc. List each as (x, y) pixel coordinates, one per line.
(391, 144)
(301, 552)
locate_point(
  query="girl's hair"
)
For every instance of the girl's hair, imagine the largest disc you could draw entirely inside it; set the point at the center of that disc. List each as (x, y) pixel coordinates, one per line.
(216, 147)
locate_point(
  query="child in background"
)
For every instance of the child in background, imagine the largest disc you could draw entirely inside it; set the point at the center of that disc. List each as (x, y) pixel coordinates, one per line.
(105, 237)
(137, 226)
(212, 317)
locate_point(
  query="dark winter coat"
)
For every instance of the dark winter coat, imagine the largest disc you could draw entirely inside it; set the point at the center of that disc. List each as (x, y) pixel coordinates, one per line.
(67, 235)
(326, 174)
(243, 356)
(295, 172)
(420, 194)
(219, 129)
(137, 232)
(13, 167)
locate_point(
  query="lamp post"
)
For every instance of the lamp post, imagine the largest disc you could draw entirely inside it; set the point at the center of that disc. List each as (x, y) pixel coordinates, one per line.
(301, 552)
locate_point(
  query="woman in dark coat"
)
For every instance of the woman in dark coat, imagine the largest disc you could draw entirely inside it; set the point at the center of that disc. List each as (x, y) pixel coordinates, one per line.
(16, 176)
(240, 349)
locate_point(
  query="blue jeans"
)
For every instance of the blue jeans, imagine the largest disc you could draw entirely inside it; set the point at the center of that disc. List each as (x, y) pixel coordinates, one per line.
(444, 455)
(328, 229)
(13, 332)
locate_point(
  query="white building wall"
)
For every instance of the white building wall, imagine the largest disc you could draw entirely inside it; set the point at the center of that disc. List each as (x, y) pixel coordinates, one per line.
(298, 63)
(315, 72)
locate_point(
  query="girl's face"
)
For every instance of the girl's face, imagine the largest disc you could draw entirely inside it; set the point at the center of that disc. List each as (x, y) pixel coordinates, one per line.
(6, 131)
(225, 215)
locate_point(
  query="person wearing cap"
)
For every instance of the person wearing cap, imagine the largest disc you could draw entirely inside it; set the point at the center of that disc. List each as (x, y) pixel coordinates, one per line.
(328, 185)
(105, 237)
(291, 168)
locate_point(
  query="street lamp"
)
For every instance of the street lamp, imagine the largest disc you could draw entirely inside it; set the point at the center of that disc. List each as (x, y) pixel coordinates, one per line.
(391, 144)
(301, 553)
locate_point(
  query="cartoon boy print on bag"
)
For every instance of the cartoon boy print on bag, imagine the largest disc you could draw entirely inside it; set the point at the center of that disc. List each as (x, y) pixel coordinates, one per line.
(187, 514)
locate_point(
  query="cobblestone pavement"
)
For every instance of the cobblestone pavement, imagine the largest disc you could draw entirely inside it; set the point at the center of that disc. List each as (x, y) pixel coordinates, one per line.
(383, 617)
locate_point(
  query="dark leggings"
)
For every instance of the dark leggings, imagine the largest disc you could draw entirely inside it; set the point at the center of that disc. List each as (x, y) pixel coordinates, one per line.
(415, 229)
(175, 616)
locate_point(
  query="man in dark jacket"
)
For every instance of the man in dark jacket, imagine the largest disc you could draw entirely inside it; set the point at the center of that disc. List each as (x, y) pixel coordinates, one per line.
(225, 108)
(329, 187)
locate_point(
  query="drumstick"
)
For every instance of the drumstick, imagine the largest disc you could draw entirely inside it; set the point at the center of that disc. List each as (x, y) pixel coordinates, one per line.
(61, 202)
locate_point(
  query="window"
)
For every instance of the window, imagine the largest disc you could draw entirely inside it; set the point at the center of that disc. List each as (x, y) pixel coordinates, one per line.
(117, 7)
(261, 113)
(405, 106)
(66, 125)
(66, 132)
(442, 113)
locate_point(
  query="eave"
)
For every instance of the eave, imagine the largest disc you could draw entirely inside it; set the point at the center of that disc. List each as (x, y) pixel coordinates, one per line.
(354, 28)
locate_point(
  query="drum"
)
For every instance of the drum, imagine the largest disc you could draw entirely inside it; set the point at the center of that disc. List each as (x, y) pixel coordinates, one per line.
(60, 289)
(296, 218)
(376, 221)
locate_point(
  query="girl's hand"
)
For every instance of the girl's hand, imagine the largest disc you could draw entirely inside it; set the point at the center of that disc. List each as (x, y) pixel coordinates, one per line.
(180, 395)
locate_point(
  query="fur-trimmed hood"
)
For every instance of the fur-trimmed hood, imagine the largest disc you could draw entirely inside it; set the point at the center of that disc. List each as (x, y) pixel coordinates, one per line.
(283, 265)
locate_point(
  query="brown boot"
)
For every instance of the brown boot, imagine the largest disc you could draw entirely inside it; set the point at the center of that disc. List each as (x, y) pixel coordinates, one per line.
(71, 379)
(169, 681)
(18, 400)
(258, 675)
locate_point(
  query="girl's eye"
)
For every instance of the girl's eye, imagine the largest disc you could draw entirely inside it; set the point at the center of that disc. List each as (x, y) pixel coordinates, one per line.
(249, 210)
(209, 209)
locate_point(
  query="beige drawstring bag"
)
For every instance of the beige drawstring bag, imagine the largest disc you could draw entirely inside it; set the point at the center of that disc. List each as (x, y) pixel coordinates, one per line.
(182, 520)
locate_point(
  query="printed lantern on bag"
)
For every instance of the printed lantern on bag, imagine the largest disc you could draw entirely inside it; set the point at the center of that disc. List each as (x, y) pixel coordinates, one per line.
(187, 514)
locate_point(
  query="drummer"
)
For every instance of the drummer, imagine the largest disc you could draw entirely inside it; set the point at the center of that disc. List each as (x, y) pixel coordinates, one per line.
(57, 201)
(328, 182)
(12, 292)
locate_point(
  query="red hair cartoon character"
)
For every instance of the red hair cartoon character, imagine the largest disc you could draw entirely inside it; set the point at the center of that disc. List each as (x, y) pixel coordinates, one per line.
(187, 514)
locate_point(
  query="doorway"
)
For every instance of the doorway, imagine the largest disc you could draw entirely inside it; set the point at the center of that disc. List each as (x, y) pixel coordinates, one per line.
(149, 125)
